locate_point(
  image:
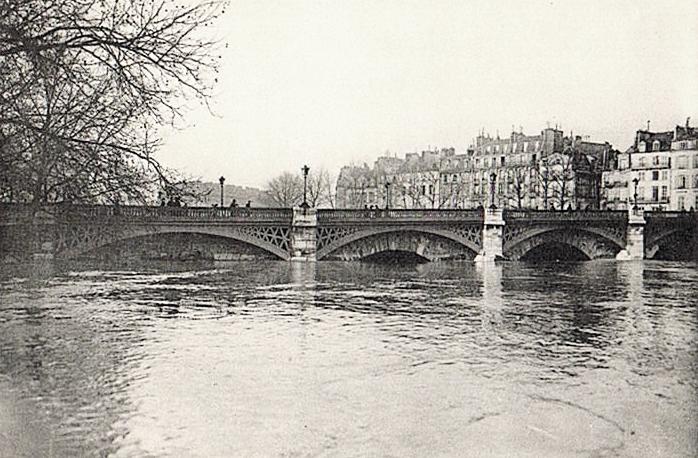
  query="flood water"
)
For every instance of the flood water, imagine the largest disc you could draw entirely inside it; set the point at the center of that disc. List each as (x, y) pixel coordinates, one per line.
(351, 359)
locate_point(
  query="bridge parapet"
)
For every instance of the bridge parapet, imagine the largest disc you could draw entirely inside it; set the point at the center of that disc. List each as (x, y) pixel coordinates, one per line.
(544, 216)
(17, 214)
(11, 214)
(393, 216)
(673, 215)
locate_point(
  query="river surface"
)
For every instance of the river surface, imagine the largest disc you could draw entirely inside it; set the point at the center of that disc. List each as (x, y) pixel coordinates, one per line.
(351, 359)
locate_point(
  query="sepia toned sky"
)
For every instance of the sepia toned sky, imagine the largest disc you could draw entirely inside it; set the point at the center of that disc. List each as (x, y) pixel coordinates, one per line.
(329, 83)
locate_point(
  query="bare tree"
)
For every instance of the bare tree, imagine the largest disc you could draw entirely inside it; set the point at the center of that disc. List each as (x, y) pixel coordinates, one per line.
(286, 190)
(352, 185)
(320, 189)
(412, 187)
(543, 183)
(518, 185)
(86, 85)
(430, 178)
(562, 177)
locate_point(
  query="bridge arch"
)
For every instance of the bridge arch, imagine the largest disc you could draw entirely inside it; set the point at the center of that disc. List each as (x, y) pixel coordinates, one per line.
(79, 240)
(591, 244)
(427, 243)
(673, 244)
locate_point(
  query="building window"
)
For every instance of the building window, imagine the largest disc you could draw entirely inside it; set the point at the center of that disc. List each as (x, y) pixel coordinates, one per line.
(655, 175)
(664, 175)
(695, 181)
(681, 182)
(695, 161)
(641, 176)
(664, 192)
(431, 189)
(682, 163)
(454, 178)
(642, 162)
(501, 160)
(642, 147)
(655, 194)
(424, 189)
(655, 160)
(641, 193)
(525, 146)
(513, 147)
(682, 205)
(655, 145)
(445, 178)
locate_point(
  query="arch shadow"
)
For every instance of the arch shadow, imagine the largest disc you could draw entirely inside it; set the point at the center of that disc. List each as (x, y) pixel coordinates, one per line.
(589, 245)
(430, 245)
(95, 238)
(674, 245)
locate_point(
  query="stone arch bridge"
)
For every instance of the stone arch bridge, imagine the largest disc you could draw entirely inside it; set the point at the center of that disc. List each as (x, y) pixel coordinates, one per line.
(68, 231)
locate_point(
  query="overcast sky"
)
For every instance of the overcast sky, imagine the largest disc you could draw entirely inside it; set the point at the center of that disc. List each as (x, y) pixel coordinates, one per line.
(329, 83)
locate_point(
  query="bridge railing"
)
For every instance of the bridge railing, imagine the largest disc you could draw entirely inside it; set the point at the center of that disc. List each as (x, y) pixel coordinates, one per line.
(559, 216)
(182, 213)
(19, 212)
(670, 214)
(16, 213)
(337, 216)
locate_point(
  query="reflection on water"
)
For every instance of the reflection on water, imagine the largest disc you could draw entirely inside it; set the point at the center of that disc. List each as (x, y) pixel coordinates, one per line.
(272, 358)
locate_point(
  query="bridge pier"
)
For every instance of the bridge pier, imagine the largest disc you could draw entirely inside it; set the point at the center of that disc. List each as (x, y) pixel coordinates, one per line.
(492, 236)
(42, 236)
(304, 234)
(635, 237)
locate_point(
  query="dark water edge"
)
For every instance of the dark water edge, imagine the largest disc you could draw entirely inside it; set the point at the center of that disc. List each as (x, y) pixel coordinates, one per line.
(349, 359)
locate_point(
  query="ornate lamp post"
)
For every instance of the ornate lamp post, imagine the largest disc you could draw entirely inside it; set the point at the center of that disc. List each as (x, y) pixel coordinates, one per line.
(305, 169)
(493, 178)
(387, 195)
(221, 180)
(636, 180)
